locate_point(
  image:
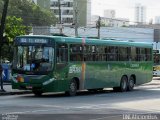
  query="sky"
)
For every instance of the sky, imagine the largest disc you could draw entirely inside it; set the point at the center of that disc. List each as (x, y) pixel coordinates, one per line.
(125, 8)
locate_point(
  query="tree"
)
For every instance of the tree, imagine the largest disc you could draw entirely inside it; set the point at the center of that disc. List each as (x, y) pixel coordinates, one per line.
(31, 13)
(14, 27)
(42, 17)
(22, 13)
(1, 6)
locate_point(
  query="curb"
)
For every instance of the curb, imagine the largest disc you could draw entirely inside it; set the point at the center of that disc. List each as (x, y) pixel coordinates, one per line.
(15, 93)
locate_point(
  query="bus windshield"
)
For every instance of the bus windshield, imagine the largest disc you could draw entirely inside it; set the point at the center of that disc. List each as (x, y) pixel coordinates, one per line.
(33, 58)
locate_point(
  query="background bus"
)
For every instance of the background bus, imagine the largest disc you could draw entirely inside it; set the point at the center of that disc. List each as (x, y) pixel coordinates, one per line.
(156, 65)
(54, 64)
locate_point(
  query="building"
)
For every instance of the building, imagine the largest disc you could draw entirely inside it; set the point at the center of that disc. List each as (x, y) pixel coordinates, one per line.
(120, 22)
(140, 14)
(110, 22)
(84, 12)
(109, 13)
(117, 22)
(68, 9)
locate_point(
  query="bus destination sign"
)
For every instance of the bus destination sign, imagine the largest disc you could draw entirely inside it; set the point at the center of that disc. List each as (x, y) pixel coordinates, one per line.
(33, 40)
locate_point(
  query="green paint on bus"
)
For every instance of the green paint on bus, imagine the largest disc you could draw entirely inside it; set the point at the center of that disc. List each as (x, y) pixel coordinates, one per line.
(56, 64)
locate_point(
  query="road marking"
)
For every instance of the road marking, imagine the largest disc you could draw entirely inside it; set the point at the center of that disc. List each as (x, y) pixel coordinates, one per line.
(33, 111)
(101, 118)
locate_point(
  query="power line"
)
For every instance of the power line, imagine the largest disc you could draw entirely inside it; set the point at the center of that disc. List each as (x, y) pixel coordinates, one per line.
(115, 30)
(116, 19)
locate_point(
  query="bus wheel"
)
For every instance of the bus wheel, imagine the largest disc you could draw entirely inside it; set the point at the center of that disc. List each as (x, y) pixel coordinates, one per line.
(131, 83)
(37, 93)
(72, 88)
(123, 84)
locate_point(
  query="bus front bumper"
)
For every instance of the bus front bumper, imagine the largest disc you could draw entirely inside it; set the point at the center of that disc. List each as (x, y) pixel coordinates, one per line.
(47, 86)
(26, 86)
(156, 73)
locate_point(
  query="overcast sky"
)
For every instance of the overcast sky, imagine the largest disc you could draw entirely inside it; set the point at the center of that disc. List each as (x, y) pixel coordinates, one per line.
(125, 8)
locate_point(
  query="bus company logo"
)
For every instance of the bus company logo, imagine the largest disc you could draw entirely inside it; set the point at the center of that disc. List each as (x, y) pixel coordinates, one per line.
(134, 65)
(75, 69)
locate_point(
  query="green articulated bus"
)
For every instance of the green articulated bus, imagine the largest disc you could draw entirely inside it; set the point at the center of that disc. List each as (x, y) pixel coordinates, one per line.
(67, 64)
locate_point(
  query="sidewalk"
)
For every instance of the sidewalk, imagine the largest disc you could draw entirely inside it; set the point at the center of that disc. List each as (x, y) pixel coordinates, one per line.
(9, 91)
(154, 84)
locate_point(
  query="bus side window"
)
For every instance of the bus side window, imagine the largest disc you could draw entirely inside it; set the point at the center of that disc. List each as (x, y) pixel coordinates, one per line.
(62, 53)
(76, 52)
(148, 54)
(122, 53)
(106, 53)
(138, 54)
(133, 55)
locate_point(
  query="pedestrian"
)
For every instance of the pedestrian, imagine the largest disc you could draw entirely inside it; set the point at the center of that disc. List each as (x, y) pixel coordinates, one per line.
(1, 80)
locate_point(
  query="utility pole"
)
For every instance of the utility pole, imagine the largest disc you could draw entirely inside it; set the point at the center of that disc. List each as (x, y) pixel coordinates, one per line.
(3, 19)
(2, 27)
(60, 19)
(76, 18)
(98, 26)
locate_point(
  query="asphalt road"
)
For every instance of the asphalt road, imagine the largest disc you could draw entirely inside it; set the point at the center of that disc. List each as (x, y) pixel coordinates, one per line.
(144, 100)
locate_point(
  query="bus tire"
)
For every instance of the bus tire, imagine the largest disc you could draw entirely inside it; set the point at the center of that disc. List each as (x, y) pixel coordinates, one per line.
(124, 84)
(37, 93)
(131, 83)
(72, 88)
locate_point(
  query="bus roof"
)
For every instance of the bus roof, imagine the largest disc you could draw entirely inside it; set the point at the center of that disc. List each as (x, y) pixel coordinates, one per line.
(91, 41)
